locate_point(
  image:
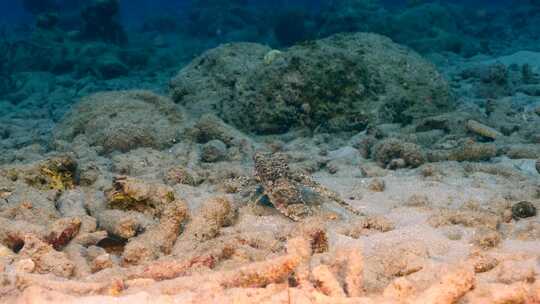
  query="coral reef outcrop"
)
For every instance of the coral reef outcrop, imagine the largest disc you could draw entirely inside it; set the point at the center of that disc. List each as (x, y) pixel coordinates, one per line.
(342, 83)
(122, 121)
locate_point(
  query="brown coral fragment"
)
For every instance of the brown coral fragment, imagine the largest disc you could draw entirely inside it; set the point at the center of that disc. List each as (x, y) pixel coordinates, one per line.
(354, 272)
(158, 239)
(467, 218)
(326, 282)
(482, 130)
(214, 214)
(63, 231)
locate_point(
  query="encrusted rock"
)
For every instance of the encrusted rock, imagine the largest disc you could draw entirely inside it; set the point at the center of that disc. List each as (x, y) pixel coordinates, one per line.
(213, 151)
(54, 173)
(396, 153)
(122, 121)
(341, 83)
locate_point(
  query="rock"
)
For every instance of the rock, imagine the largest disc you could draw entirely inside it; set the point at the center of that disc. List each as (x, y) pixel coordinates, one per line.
(406, 154)
(213, 151)
(122, 121)
(538, 165)
(340, 83)
(109, 67)
(523, 209)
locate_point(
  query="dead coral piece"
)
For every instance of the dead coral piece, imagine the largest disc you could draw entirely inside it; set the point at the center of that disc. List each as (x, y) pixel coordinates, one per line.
(124, 224)
(293, 194)
(388, 150)
(47, 259)
(62, 231)
(452, 287)
(467, 150)
(212, 216)
(482, 130)
(101, 262)
(467, 218)
(133, 194)
(49, 282)
(509, 272)
(158, 239)
(365, 226)
(12, 233)
(254, 275)
(314, 230)
(486, 238)
(326, 282)
(481, 262)
(503, 294)
(399, 289)
(495, 169)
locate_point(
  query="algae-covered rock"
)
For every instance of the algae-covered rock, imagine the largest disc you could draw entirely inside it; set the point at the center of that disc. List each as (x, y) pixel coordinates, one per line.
(122, 121)
(341, 83)
(137, 195)
(53, 173)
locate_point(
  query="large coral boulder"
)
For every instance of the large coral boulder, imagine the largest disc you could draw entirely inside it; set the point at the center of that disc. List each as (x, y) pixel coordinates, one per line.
(341, 83)
(122, 121)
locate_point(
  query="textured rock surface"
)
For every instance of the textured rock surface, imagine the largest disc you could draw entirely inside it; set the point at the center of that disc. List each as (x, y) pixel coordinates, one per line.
(122, 121)
(341, 83)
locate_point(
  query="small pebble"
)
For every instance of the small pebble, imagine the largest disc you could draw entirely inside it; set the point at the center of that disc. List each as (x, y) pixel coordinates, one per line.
(523, 209)
(397, 163)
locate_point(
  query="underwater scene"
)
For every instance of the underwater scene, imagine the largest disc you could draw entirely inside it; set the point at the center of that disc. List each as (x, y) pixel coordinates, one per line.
(270, 151)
